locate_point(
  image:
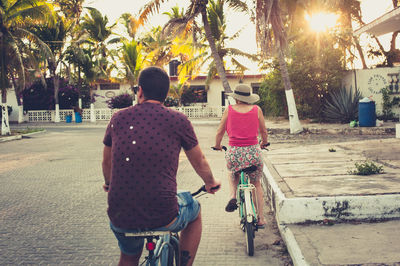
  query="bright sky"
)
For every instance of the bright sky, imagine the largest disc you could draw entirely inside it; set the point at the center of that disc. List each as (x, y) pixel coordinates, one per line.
(371, 9)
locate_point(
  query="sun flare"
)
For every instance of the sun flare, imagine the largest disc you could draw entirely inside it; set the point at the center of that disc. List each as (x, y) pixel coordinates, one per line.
(321, 21)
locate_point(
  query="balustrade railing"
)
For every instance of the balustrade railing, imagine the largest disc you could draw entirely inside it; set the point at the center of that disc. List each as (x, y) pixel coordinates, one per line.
(106, 114)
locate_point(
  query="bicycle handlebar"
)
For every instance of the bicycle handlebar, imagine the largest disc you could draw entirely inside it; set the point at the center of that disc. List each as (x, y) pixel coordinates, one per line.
(263, 147)
(203, 189)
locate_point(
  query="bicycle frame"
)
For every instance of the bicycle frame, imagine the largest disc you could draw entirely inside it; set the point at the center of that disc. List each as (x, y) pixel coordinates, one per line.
(245, 192)
(165, 241)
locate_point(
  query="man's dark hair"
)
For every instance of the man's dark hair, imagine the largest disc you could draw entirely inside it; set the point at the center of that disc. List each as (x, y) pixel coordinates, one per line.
(155, 83)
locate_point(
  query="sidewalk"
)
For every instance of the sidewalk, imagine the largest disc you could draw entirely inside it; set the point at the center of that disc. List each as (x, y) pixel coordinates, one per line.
(329, 217)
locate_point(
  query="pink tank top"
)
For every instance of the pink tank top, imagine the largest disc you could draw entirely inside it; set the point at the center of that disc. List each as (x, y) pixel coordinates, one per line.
(242, 128)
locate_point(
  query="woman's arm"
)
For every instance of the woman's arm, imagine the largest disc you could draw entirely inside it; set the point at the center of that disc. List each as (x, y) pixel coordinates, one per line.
(262, 128)
(221, 130)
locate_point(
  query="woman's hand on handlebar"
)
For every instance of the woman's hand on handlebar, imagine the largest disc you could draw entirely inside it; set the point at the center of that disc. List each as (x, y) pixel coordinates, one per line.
(264, 145)
(217, 147)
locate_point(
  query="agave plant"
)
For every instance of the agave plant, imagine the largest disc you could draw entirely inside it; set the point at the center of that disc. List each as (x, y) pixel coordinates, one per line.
(342, 106)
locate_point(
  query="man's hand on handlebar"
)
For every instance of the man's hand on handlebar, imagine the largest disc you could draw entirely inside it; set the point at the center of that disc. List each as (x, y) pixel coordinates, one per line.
(213, 187)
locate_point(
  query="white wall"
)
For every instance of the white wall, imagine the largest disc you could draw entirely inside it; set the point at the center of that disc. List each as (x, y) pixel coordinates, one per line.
(214, 93)
(105, 95)
(370, 82)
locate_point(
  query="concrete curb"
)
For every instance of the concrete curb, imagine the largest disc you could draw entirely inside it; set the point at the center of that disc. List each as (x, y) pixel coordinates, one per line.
(303, 209)
(274, 194)
(338, 208)
(292, 246)
(10, 138)
(34, 133)
(17, 137)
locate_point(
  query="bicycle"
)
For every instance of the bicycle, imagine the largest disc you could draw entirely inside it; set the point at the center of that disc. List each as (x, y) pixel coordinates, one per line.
(163, 246)
(247, 208)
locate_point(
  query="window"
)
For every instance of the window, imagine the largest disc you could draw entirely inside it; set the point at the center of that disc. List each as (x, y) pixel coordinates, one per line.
(255, 87)
(109, 86)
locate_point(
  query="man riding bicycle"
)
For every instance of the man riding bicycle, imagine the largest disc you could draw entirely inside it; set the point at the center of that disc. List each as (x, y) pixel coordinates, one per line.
(140, 162)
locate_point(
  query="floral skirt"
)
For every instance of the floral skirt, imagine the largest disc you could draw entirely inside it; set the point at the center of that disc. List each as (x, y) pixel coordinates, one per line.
(238, 158)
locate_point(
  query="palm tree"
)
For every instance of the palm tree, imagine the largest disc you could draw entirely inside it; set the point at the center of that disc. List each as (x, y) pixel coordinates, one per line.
(157, 49)
(350, 11)
(195, 9)
(54, 35)
(271, 34)
(95, 24)
(132, 59)
(217, 21)
(14, 16)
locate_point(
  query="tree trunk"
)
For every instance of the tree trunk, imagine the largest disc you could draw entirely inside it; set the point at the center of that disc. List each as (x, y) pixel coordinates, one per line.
(19, 100)
(294, 122)
(56, 84)
(360, 52)
(218, 62)
(5, 127)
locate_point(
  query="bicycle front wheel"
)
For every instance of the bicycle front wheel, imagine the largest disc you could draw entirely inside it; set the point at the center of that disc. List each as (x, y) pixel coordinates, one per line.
(249, 235)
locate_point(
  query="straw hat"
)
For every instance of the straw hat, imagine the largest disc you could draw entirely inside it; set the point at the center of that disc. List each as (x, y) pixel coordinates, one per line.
(244, 93)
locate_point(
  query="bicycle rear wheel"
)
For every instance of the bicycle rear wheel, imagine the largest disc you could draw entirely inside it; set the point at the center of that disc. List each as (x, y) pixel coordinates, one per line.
(249, 235)
(175, 256)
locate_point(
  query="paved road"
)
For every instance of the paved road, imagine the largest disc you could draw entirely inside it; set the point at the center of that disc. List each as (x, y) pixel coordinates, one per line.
(53, 209)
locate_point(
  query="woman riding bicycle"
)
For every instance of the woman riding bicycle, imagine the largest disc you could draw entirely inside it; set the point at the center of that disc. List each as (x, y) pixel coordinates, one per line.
(243, 122)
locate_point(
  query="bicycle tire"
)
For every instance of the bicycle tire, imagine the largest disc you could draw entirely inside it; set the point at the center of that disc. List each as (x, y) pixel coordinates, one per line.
(176, 251)
(171, 255)
(249, 235)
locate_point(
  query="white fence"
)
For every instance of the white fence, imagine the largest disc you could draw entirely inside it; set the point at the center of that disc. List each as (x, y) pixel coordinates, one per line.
(106, 114)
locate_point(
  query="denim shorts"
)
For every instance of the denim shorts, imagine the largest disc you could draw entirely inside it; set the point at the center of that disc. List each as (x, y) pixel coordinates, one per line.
(189, 209)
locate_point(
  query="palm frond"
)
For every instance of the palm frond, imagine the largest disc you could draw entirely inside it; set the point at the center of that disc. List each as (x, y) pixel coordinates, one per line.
(237, 5)
(237, 52)
(41, 44)
(240, 67)
(149, 9)
(40, 13)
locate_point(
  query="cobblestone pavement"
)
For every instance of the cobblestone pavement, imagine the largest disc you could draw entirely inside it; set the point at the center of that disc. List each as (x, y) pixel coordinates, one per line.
(53, 209)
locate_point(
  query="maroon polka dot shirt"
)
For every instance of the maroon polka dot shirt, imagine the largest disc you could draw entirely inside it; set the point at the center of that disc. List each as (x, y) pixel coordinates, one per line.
(145, 142)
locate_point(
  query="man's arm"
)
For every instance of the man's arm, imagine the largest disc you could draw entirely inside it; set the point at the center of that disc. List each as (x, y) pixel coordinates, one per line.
(202, 168)
(106, 165)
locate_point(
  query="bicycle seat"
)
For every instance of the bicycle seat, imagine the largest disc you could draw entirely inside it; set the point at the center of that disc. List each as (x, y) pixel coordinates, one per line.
(249, 169)
(148, 233)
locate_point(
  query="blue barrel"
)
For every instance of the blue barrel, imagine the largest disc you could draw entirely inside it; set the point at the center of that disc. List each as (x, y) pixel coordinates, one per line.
(68, 118)
(366, 114)
(78, 118)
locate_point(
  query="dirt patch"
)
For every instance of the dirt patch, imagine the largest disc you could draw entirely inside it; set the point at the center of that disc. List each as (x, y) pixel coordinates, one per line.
(293, 140)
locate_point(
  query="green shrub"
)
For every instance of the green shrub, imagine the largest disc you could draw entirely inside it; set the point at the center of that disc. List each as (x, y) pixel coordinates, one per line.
(388, 102)
(342, 106)
(188, 97)
(366, 168)
(171, 101)
(272, 96)
(120, 101)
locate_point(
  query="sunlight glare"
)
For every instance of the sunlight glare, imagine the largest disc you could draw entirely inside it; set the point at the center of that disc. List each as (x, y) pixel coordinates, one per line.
(321, 21)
